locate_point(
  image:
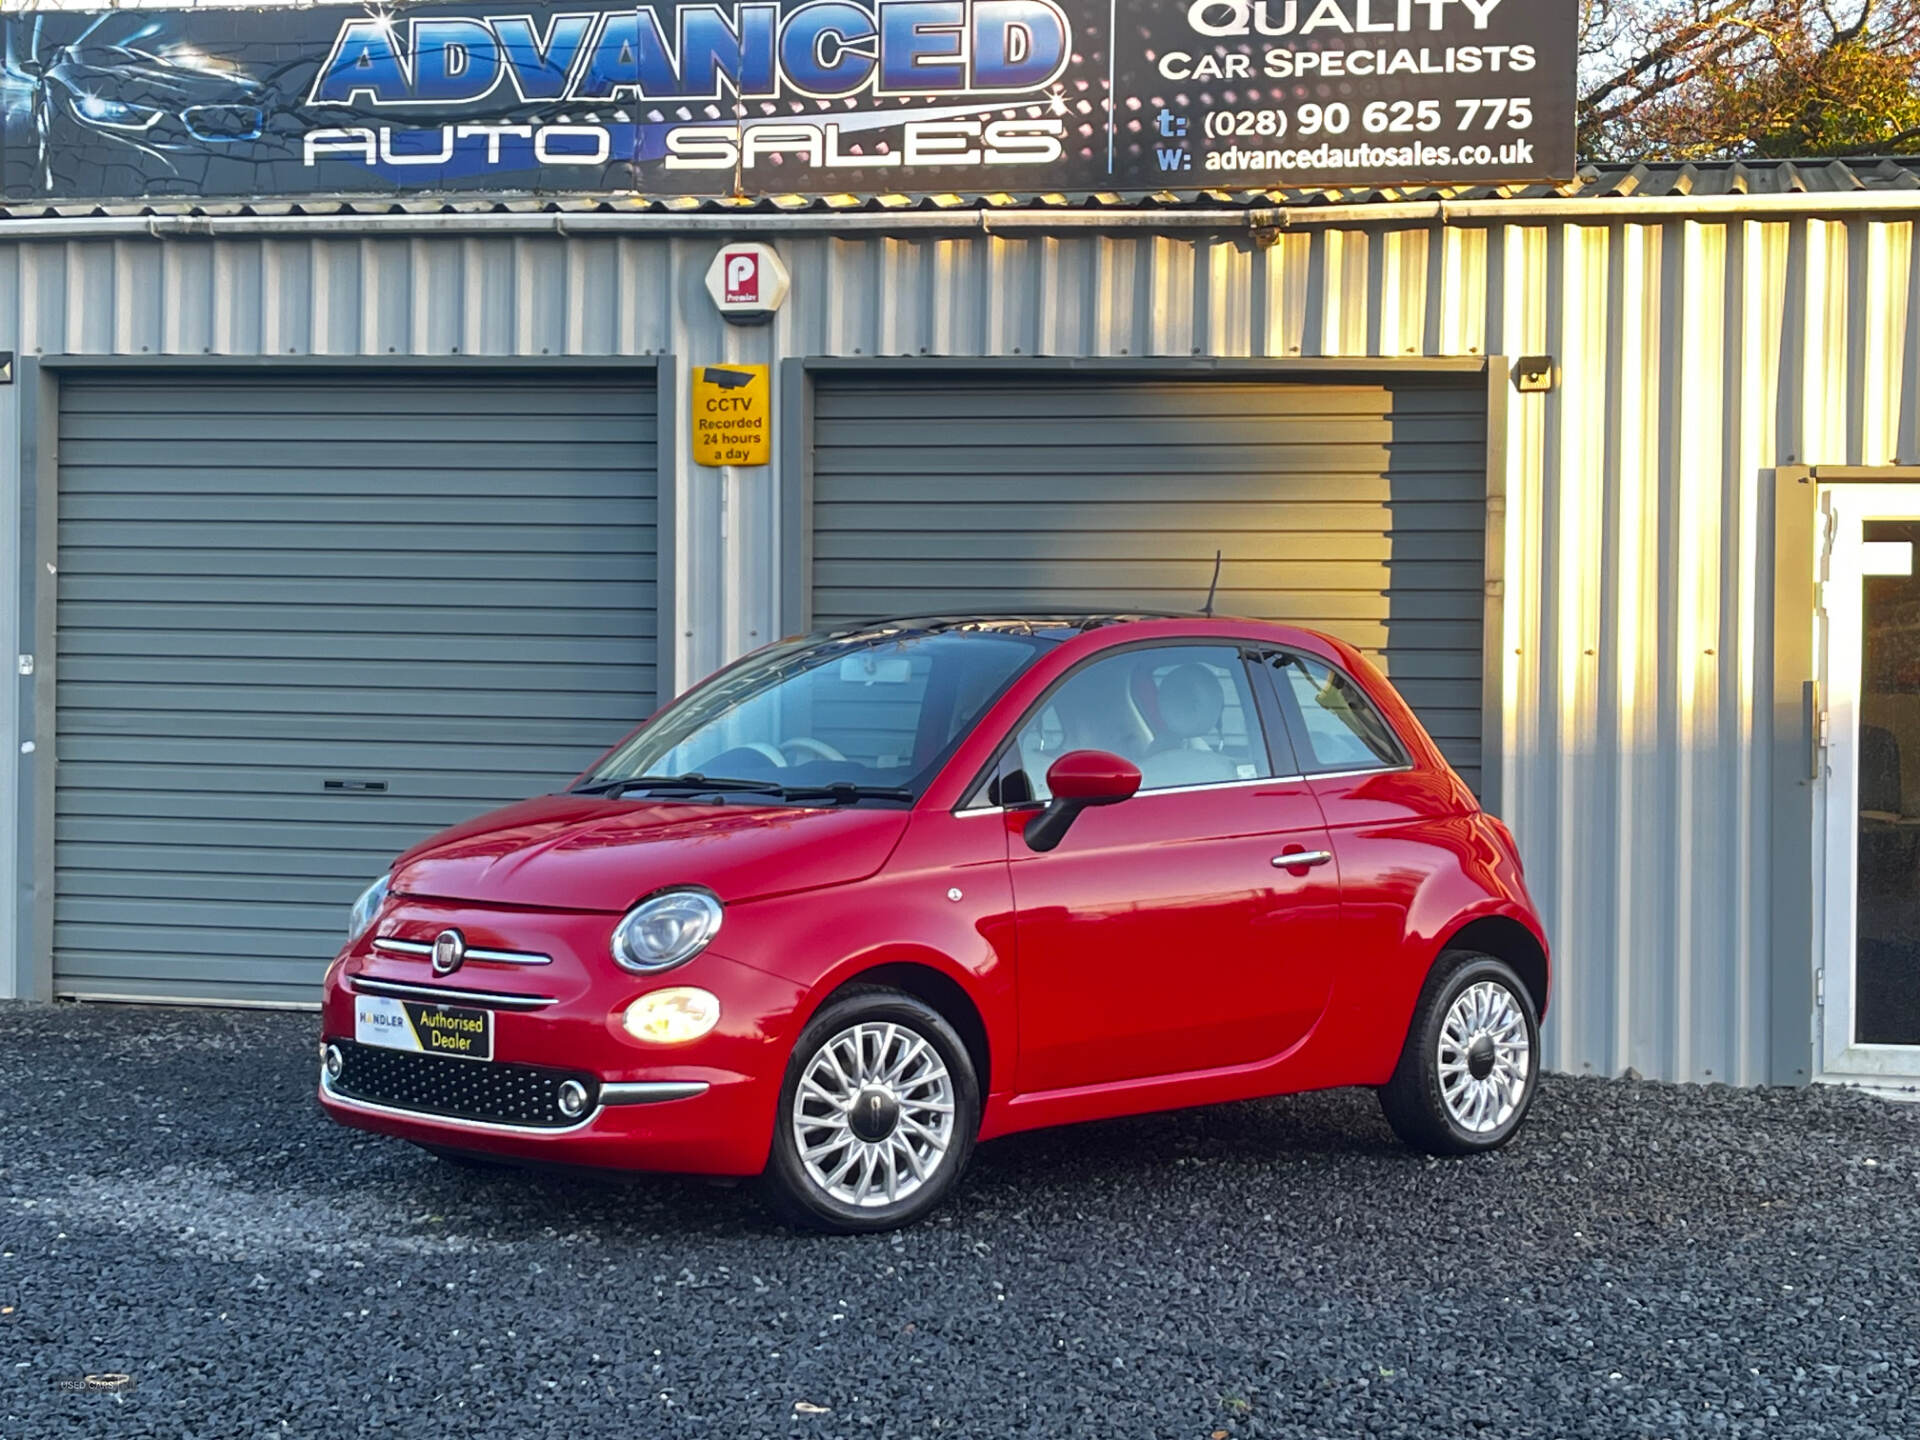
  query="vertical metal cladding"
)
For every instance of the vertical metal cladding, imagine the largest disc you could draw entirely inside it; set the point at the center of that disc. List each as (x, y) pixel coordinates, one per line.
(1694, 354)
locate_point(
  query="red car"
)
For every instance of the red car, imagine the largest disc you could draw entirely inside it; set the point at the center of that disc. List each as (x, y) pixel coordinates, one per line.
(865, 898)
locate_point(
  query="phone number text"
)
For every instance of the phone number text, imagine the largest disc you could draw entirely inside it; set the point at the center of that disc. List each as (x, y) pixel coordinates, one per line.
(1376, 117)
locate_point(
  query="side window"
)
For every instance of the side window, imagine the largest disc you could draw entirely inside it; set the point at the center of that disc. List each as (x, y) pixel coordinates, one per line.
(1183, 713)
(1341, 728)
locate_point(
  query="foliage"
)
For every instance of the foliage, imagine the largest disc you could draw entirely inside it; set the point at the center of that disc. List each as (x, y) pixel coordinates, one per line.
(1720, 79)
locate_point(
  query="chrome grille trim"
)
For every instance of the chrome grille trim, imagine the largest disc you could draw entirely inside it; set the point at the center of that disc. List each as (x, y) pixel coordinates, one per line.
(404, 947)
(650, 1092)
(509, 957)
(449, 994)
(422, 949)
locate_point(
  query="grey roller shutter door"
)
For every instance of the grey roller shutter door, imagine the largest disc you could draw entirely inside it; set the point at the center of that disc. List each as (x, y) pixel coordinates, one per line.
(441, 585)
(1358, 509)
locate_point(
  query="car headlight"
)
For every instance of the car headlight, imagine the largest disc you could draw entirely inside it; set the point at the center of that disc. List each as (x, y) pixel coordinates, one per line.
(99, 110)
(672, 1016)
(665, 930)
(367, 906)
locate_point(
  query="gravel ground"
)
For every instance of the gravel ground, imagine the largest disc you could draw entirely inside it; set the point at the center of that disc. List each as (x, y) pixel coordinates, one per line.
(1646, 1260)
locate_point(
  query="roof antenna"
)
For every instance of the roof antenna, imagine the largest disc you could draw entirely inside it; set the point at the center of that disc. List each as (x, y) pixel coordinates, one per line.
(1208, 611)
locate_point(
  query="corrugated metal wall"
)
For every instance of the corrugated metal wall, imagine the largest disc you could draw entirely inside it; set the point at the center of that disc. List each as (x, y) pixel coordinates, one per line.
(1693, 356)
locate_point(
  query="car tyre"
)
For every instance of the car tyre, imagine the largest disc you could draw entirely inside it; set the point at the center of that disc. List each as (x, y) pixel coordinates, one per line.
(877, 1118)
(1471, 1063)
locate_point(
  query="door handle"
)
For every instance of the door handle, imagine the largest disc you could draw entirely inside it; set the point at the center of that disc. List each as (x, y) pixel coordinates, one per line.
(1302, 858)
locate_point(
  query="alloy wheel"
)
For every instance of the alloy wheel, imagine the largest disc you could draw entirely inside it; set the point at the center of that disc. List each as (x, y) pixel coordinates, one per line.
(873, 1114)
(1485, 1058)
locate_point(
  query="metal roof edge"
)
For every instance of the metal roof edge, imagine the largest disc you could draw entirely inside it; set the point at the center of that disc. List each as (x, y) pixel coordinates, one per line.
(1650, 209)
(1611, 187)
(1649, 192)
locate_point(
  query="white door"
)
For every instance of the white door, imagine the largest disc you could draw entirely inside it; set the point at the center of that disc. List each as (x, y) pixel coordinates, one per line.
(1869, 811)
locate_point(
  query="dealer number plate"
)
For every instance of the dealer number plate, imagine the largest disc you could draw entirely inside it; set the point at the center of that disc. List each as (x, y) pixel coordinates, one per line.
(426, 1029)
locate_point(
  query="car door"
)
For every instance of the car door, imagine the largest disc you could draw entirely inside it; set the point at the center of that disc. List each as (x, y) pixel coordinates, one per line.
(1165, 934)
(1393, 824)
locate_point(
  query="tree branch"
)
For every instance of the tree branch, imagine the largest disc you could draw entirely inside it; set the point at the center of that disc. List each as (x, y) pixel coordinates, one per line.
(1675, 45)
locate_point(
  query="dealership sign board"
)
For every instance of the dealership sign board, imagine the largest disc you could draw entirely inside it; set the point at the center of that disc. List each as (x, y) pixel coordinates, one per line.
(768, 97)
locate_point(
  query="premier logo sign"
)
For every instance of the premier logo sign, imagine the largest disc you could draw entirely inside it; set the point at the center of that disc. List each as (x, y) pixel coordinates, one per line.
(742, 283)
(747, 281)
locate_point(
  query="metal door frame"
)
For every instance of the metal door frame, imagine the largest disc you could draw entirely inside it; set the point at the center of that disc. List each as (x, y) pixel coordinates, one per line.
(40, 378)
(1794, 955)
(1839, 643)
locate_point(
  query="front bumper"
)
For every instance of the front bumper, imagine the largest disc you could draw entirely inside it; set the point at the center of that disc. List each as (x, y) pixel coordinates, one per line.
(705, 1107)
(646, 1125)
(540, 1099)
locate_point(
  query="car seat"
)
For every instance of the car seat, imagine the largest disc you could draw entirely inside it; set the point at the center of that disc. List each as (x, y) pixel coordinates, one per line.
(1189, 704)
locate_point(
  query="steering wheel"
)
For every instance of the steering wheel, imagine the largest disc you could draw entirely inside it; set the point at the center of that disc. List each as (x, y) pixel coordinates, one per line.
(767, 750)
(819, 749)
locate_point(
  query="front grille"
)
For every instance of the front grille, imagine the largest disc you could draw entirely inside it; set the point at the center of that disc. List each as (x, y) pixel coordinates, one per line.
(460, 1089)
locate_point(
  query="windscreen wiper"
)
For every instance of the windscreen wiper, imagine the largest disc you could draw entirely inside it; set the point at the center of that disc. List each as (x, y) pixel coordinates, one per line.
(840, 792)
(845, 792)
(692, 783)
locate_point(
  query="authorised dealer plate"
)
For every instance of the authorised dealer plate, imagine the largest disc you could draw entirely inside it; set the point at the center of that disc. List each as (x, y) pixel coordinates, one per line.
(428, 1029)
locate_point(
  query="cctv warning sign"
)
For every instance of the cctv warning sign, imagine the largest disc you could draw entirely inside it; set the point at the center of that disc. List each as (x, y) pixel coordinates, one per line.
(732, 415)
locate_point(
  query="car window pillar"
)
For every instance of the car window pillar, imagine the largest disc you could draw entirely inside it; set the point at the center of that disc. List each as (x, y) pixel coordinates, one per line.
(1282, 746)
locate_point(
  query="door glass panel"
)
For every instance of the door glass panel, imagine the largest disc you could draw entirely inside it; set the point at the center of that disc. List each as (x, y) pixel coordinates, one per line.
(1183, 713)
(1887, 960)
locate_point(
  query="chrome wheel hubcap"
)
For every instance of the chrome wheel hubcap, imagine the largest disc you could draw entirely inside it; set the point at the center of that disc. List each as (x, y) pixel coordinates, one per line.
(1485, 1060)
(873, 1114)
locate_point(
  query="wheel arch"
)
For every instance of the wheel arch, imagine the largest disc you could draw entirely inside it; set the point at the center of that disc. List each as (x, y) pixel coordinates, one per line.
(943, 993)
(1505, 938)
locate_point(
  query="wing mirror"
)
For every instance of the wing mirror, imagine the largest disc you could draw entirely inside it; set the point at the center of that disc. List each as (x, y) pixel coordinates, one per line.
(1077, 780)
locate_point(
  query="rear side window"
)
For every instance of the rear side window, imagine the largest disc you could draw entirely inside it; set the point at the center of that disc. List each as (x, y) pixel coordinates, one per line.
(1340, 729)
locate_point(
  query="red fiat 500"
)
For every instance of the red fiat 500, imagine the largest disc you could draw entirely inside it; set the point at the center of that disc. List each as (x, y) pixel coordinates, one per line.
(864, 898)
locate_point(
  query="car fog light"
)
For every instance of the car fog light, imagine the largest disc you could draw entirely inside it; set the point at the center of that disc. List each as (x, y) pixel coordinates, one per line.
(335, 1062)
(673, 1016)
(572, 1098)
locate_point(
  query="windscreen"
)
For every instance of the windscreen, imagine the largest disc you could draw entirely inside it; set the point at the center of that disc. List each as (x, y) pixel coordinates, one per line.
(881, 708)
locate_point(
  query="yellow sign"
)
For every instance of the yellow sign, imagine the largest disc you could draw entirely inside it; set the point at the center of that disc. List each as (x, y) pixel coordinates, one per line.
(732, 415)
